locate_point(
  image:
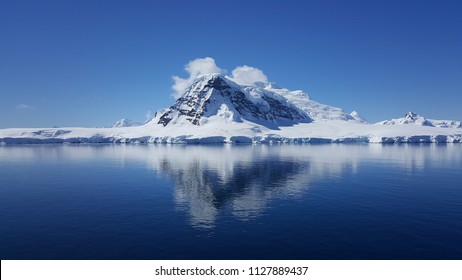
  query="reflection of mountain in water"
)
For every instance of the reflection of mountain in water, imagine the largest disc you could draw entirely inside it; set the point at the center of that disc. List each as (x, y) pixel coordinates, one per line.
(241, 180)
(243, 187)
(211, 181)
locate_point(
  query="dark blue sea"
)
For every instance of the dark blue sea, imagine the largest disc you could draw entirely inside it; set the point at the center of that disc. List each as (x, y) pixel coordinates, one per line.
(328, 201)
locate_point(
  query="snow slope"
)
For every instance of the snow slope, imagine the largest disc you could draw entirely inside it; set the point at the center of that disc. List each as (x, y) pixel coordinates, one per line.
(216, 110)
(315, 110)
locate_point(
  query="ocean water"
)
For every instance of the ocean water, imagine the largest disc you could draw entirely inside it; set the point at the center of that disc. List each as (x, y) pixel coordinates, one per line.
(332, 201)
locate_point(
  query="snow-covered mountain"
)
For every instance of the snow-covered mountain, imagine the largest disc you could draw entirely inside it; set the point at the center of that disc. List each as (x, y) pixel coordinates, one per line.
(213, 97)
(215, 109)
(126, 123)
(415, 119)
(357, 117)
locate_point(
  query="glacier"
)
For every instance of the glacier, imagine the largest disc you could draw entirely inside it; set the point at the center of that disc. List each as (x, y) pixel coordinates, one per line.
(215, 109)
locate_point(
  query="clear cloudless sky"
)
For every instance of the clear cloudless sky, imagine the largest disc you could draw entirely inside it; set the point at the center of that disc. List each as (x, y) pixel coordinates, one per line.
(91, 62)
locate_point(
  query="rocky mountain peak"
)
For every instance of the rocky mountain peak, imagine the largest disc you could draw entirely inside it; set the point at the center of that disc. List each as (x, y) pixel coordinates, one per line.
(211, 94)
(411, 116)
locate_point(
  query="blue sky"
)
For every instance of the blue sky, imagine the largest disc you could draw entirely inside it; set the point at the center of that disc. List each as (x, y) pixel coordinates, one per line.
(89, 63)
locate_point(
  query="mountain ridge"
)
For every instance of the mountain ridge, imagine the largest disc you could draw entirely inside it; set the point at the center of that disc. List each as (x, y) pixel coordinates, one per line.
(416, 119)
(213, 94)
(263, 103)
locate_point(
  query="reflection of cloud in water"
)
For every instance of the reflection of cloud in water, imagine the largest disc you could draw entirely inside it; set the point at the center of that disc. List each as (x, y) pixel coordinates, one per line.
(212, 180)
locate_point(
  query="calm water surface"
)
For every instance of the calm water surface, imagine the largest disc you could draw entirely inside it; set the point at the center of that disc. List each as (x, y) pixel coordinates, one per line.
(231, 202)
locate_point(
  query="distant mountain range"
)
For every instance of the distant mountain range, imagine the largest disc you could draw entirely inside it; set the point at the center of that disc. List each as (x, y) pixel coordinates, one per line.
(413, 118)
(215, 109)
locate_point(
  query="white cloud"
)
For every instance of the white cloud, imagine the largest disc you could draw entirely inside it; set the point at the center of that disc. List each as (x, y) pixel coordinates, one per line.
(195, 68)
(248, 76)
(24, 107)
(242, 75)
